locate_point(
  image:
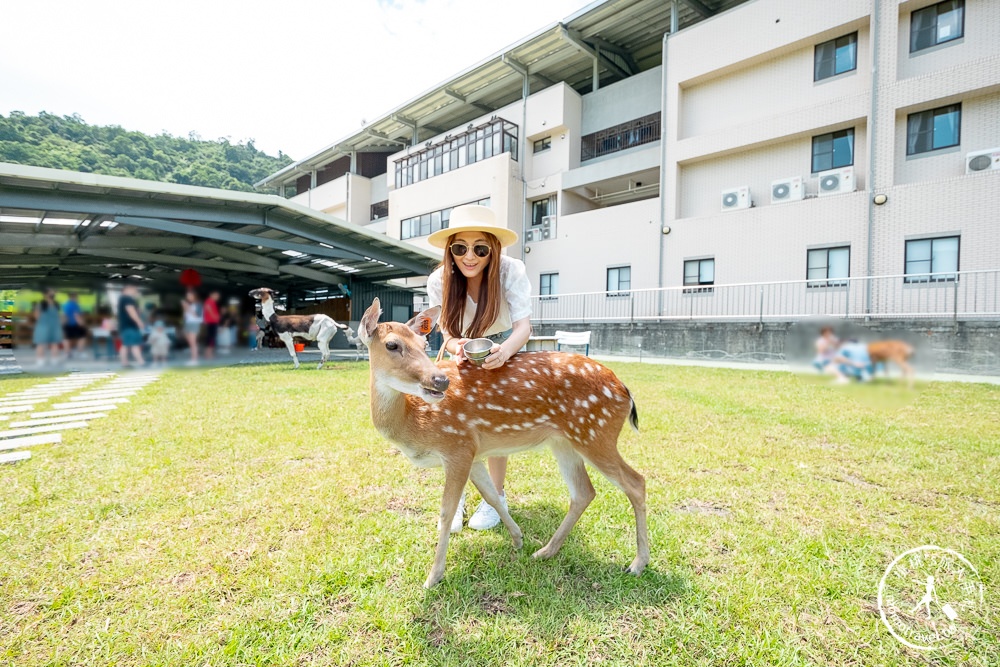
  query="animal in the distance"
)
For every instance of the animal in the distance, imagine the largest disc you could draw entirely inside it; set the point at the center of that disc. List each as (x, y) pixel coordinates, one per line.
(262, 326)
(354, 340)
(455, 415)
(320, 328)
(896, 351)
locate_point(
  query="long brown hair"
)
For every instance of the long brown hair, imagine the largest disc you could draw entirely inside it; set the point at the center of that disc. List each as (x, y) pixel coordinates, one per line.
(455, 288)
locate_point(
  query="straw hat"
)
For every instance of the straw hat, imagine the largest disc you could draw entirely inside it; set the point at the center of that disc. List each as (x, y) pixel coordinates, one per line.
(473, 218)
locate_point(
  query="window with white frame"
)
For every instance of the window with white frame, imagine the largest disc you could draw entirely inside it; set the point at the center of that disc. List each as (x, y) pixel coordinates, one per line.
(619, 280)
(937, 24)
(930, 130)
(828, 267)
(938, 256)
(698, 273)
(548, 285)
(428, 223)
(835, 57)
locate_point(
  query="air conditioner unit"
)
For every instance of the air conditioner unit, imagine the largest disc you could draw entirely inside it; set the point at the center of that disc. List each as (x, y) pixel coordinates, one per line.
(836, 181)
(529, 236)
(548, 230)
(786, 189)
(736, 198)
(982, 160)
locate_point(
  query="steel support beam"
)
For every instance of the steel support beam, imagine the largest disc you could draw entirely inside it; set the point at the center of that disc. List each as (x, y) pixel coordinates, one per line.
(461, 98)
(70, 241)
(699, 7)
(236, 255)
(576, 40)
(171, 260)
(607, 47)
(313, 274)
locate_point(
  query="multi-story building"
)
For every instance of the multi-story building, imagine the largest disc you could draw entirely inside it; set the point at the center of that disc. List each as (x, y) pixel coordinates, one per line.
(695, 143)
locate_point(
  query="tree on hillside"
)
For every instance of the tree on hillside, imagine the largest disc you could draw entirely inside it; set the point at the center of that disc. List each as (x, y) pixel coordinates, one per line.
(68, 142)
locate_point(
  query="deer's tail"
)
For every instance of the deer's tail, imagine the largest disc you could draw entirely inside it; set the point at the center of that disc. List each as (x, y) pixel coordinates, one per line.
(633, 413)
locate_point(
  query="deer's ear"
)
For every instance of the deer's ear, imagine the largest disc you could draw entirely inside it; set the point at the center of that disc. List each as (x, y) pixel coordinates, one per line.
(423, 323)
(369, 322)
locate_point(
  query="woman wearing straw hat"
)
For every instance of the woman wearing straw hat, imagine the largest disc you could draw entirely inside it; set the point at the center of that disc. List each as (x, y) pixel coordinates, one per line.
(482, 294)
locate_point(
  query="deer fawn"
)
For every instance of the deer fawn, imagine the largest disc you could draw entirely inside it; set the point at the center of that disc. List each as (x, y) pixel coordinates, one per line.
(454, 415)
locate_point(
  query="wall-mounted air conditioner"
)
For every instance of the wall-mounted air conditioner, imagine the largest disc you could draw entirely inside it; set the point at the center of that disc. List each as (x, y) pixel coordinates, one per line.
(982, 160)
(529, 236)
(786, 189)
(548, 230)
(736, 198)
(836, 181)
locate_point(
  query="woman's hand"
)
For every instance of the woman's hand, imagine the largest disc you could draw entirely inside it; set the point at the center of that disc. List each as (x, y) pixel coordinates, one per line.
(459, 354)
(498, 357)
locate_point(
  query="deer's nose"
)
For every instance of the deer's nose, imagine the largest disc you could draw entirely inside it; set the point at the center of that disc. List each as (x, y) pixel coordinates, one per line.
(440, 381)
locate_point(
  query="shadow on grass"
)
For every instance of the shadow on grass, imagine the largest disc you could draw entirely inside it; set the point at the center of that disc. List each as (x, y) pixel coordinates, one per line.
(493, 594)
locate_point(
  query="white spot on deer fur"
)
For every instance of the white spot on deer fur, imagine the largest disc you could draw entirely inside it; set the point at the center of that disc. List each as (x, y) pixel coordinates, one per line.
(470, 398)
(503, 381)
(605, 412)
(516, 427)
(581, 420)
(563, 408)
(601, 422)
(474, 390)
(491, 406)
(547, 371)
(584, 405)
(592, 399)
(529, 383)
(448, 429)
(568, 383)
(572, 368)
(461, 417)
(447, 412)
(588, 367)
(607, 392)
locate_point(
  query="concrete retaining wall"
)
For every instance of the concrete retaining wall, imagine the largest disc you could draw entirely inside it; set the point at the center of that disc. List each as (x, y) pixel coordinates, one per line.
(946, 347)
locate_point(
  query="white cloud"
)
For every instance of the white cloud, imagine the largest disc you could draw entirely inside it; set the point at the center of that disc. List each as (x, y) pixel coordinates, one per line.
(294, 76)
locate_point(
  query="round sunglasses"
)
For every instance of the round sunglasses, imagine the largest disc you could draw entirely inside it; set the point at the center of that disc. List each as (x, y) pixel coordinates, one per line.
(459, 249)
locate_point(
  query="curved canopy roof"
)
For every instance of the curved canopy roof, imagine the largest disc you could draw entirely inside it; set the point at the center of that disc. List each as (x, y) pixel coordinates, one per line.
(64, 227)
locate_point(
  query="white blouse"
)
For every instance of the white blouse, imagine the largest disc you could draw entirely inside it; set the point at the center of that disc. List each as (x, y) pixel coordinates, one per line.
(516, 288)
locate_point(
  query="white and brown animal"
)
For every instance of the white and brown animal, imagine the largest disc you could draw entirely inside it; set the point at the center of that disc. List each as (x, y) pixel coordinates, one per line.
(352, 339)
(320, 328)
(455, 415)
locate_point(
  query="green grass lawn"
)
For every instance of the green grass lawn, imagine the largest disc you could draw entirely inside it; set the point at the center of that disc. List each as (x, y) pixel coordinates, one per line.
(253, 516)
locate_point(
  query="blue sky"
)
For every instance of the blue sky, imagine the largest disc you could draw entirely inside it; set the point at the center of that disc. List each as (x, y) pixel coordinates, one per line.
(292, 76)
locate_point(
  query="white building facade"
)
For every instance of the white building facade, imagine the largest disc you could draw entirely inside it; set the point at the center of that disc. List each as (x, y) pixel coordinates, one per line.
(764, 142)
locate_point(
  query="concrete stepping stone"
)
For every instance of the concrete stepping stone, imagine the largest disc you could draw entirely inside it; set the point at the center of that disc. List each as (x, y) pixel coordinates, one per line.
(57, 420)
(90, 395)
(89, 404)
(31, 441)
(4, 403)
(11, 457)
(44, 428)
(16, 408)
(73, 411)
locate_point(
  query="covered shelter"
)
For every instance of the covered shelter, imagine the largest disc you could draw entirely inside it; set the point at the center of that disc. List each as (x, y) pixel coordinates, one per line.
(79, 230)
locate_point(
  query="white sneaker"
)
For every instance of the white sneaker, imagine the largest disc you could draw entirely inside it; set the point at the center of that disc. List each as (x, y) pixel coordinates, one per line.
(486, 517)
(456, 521)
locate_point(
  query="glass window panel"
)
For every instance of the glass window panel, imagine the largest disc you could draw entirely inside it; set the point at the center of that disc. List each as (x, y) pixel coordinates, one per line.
(839, 263)
(944, 254)
(946, 124)
(824, 61)
(612, 280)
(949, 21)
(843, 149)
(817, 259)
(707, 271)
(435, 221)
(918, 250)
(923, 30)
(846, 54)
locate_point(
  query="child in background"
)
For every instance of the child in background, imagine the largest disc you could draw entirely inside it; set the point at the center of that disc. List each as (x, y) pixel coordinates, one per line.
(159, 343)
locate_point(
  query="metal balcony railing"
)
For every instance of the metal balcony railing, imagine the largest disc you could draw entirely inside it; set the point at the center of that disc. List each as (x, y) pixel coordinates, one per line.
(961, 295)
(620, 137)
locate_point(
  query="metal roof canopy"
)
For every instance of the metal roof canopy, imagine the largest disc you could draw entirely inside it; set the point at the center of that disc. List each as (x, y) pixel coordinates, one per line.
(606, 41)
(70, 228)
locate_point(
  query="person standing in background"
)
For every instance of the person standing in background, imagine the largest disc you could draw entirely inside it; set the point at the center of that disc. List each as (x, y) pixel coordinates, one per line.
(212, 317)
(192, 324)
(73, 326)
(130, 325)
(48, 333)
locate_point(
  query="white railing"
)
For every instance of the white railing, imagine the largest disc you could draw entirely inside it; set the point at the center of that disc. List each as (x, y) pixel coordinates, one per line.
(955, 295)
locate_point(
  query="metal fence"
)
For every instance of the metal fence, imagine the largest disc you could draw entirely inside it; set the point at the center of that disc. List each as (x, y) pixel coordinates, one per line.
(958, 295)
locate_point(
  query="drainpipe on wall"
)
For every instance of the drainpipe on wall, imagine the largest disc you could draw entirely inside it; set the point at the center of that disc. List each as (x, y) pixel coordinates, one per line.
(522, 140)
(663, 153)
(872, 125)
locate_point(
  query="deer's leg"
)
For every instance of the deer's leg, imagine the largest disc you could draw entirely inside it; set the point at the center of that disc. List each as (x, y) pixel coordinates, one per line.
(289, 342)
(581, 493)
(611, 464)
(481, 478)
(323, 340)
(456, 475)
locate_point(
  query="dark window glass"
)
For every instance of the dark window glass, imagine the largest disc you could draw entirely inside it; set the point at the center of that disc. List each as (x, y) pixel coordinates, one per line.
(937, 24)
(832, 151)
(836, 57)
(543, 145)
(936, 256)
(699, 272)
(934, 129)
(548, 284)
(539, 209)
(619, 279)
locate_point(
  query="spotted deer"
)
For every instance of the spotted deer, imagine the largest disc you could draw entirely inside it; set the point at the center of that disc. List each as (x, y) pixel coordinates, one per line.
(454, 415)
(320, 328)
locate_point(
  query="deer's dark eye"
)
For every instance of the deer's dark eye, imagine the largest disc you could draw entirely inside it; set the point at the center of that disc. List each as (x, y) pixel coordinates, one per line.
(392, 346)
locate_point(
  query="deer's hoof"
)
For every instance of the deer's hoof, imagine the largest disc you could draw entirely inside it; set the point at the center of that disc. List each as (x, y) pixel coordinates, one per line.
(636, 568)
(543, 553)
(517, 539)
(433, 580)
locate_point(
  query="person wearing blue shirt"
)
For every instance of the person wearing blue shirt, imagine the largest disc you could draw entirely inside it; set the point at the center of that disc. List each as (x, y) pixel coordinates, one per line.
(73, 329)
(853, 362)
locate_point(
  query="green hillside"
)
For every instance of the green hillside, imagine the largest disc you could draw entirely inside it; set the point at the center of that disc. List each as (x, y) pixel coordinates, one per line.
(68, 142)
